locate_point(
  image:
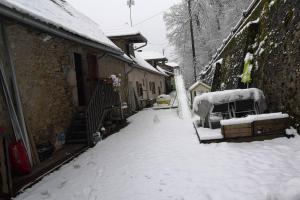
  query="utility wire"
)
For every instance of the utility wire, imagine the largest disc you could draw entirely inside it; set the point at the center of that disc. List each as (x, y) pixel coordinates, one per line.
(149, 18)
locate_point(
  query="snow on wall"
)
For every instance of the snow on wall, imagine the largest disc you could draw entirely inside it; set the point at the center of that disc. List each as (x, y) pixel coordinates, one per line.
(62, 15)
(183, 107)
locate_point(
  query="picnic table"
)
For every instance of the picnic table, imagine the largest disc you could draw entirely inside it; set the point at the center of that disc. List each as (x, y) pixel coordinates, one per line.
(204, 104)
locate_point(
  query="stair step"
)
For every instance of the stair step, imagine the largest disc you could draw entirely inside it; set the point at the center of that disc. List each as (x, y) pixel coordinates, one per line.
(78, 126)
(78, 132)
(76, 137)
(76, 141)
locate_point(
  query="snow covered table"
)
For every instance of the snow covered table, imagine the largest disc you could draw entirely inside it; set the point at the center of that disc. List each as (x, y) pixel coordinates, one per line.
(204, 103)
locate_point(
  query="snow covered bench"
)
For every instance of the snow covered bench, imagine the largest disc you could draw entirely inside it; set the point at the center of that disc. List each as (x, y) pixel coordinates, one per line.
(255, 125)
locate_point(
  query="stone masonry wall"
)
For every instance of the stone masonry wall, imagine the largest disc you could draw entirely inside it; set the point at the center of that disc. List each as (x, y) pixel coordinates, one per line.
(272, 35)
(110, 66)
(43, 67)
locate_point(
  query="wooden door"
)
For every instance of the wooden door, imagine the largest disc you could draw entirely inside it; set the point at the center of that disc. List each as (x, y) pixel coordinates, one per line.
(79, 79)
(92, 72)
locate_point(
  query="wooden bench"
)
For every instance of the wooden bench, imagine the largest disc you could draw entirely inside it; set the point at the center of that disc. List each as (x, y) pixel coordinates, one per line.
(255, 125)
(271, 126)
(237, 130)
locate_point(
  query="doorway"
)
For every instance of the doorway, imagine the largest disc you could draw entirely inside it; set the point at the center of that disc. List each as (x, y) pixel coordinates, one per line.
(80, 79)
(93, 72)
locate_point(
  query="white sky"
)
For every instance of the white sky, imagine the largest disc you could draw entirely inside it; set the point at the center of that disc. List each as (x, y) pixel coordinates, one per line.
(113, 14)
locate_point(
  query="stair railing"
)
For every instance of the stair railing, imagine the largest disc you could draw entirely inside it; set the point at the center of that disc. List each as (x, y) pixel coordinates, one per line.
(103, 99)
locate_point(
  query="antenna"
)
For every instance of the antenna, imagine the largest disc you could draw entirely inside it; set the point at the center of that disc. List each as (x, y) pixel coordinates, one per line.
(130, 3)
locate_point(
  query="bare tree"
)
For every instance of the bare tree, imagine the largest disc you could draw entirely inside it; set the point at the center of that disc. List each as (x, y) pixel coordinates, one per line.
(212, 21)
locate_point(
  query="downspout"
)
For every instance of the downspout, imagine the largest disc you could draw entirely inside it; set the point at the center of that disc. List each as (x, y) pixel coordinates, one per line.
(147, 86)
(146, 43)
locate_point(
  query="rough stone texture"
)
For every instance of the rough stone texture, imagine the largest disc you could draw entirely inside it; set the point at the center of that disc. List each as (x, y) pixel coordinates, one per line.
(277, 67)
(132, 74)
(110, 66)
(144, 78)
(42, 69)
(46, 78)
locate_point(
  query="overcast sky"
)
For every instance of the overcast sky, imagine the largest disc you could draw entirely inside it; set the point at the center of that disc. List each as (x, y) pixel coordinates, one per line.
(114, 14)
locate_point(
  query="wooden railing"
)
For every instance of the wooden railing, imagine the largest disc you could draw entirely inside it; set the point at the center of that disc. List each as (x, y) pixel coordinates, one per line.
(104, 99)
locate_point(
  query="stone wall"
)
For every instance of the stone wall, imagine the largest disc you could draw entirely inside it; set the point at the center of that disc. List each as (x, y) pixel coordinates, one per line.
(43, 66)
(159, 82)
(111, 66)
(272, 34)
(46, 78)
(144, 77)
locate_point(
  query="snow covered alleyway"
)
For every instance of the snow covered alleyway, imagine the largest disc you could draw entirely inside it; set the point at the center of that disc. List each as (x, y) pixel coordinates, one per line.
(158, 157)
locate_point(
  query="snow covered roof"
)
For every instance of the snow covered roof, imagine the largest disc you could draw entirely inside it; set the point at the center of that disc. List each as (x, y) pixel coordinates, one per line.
(152, 55)
(126, 32)
(144, 64)
(60, 15)
(162, 71)
(123, 58)
(199, 83)
(172, 64)
(166, 71)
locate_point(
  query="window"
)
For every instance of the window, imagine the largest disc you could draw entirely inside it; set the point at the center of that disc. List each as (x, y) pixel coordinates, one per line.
(137, 86)
(139, 89)
(153, 88)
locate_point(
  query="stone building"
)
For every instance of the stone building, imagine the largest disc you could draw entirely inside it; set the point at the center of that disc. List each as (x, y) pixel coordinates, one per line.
(51, 62)
(269, 31)
(144, 80)
(159, 62)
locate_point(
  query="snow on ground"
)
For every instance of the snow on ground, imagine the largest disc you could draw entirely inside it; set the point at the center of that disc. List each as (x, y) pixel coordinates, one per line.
(158, 157)
(183, 106)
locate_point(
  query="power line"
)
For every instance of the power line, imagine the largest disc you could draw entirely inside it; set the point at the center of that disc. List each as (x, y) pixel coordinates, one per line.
(149, 18)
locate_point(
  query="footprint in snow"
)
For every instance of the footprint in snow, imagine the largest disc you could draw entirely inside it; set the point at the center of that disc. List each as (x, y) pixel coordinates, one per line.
(61, 185)
(45, 193)
(91, 163)
(156, 120)
(76, 166)
(148, 177)
(99, 172)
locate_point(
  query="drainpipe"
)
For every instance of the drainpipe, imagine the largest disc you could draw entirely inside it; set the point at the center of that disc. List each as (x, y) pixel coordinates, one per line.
(146, 43)
(147, 85)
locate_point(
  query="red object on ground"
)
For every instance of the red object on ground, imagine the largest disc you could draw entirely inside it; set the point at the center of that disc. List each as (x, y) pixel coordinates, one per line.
(18, 158)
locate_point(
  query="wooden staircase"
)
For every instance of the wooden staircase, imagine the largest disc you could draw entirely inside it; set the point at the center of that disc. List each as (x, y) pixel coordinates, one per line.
(78, 130)
(88, 119)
